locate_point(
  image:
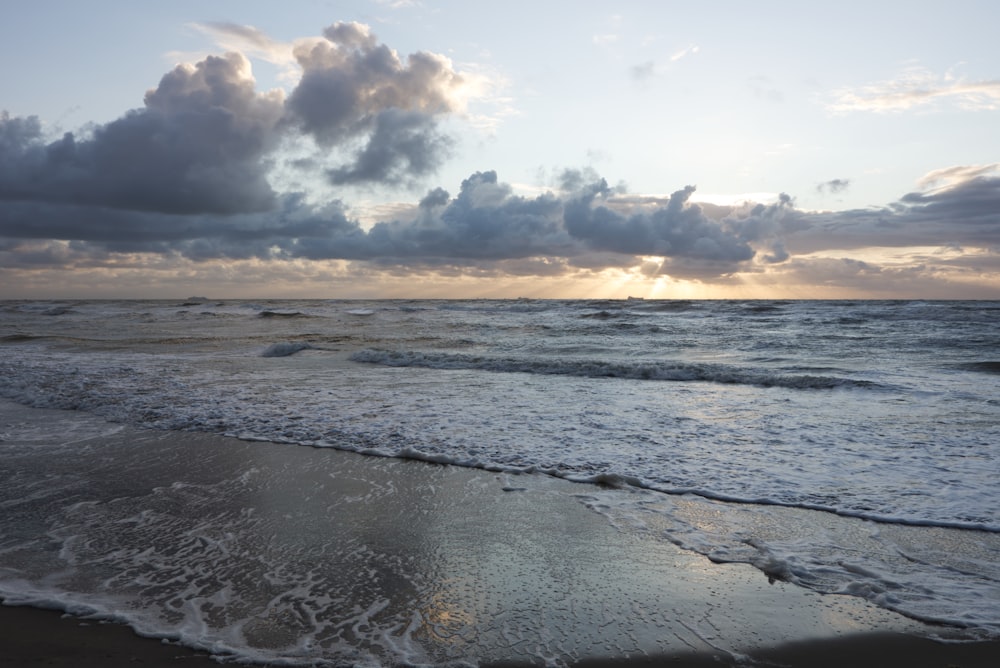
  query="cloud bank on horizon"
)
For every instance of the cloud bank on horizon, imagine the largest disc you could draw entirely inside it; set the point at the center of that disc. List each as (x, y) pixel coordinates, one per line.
(194, 185)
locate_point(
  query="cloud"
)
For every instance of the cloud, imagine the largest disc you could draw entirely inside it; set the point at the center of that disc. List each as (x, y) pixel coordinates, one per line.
(964, 211)
(247, 40)
(115, 230)
(918, 88)
(644, 70)
(833, 186)
(649, 68)
(956, 175)
(684, 53)
(485, 224)
(193, 176)
(676, 230)
(486, 227)
(970, 207)
(910, 276)
(485, 221)
(403, 147)
(349, 78)
(354, 89)
(197, 146)
(206, 141)
(18, 134)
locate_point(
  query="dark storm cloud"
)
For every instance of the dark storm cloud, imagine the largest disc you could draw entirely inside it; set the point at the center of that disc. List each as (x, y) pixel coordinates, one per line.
(197, 237)
(485, 221)
(403, 146)
(974, 202)
(18, 253)
(965, 212)
(678, 229)
(17, 134)
(768, 225)
(485, 225)
(204, 140)
(196, 147)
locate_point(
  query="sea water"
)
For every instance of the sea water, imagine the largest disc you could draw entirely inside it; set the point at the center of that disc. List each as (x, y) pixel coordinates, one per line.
(847, 447)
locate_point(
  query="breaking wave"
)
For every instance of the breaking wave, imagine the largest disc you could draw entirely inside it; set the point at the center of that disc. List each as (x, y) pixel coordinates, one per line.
(633, 370)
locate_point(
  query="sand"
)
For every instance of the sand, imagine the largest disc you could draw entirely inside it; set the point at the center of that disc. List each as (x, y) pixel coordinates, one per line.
(35, 637)
(487, 549)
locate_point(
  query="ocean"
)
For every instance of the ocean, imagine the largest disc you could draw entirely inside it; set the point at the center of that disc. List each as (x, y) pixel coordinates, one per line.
(845, 447)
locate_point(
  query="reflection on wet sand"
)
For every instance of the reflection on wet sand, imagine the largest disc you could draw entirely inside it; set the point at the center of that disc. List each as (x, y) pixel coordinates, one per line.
(276, 552)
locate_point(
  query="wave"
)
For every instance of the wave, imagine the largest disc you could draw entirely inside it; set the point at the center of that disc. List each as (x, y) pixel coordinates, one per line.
(59, 310)
(285, 348)
(675, 306)
(281, 314)
(802, 503)
(634, 370)
(20, 338)
(604, 314)
(762, 308)
(982, 367)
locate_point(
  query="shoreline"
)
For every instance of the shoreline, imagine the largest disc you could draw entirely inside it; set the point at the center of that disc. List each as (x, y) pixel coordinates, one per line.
(45, 637)
(505, 570)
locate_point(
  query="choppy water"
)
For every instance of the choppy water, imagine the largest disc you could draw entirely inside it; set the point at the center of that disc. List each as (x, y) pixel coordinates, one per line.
(883, 415)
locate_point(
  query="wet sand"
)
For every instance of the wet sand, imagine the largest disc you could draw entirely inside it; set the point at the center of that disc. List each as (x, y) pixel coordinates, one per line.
(35, 637)
(505, 570)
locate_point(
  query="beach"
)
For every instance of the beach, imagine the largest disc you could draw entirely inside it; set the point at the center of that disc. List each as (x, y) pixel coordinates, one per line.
(411, 563)
(34, 637)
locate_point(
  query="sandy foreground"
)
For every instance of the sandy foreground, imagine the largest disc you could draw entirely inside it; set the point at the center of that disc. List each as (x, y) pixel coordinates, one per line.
(34, 637)
(598, 595)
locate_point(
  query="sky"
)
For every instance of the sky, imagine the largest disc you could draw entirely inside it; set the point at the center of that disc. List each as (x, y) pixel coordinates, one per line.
(547, 149)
